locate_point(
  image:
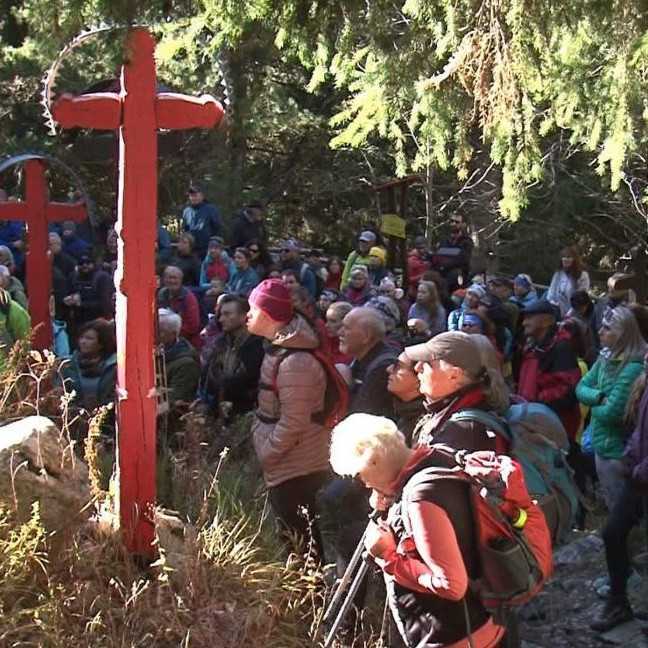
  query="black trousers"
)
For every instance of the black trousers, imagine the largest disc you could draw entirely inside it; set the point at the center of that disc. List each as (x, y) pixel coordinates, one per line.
(625, 514)
(294, 503)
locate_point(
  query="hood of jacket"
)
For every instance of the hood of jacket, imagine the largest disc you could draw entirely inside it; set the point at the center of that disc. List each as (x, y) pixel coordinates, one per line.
(297, 334)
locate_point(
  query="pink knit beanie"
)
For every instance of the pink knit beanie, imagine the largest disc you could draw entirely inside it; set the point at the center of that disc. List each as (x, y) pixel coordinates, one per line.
(273, 298)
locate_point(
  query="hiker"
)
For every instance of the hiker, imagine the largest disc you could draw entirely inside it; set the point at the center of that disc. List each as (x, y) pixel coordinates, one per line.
(455, 374)
(409, 404)
(185, 258)
(359, 290)
(569, 278)
(201, 219)
(626, 512)
(428, 309)
(181, 300)
(243, 278)
(231, 374)
(606, 389)
(92, 370)
(335, 314)
(359, 257)
(290, 443)
(549, 369)
(429, 566)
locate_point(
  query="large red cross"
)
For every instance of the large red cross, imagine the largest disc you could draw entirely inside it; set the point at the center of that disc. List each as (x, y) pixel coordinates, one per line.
(37, 212)
(138, 111)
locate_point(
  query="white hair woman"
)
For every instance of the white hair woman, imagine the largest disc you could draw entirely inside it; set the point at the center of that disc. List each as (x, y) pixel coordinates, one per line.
(458, 371)
(427, 570)
(606, 388)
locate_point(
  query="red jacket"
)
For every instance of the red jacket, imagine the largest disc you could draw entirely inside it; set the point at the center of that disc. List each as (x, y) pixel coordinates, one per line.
(549, 374)
(416, 268)
(184, 304)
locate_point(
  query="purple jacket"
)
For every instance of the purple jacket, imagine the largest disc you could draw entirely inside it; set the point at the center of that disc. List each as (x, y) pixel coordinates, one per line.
(636, 451)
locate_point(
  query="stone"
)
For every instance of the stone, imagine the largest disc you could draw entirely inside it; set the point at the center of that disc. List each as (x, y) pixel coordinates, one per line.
(626, 634)
(38, 464)
(176, 542)
(578, 551)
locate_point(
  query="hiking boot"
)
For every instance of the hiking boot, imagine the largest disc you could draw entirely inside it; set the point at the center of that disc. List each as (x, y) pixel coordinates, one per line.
(615, 612)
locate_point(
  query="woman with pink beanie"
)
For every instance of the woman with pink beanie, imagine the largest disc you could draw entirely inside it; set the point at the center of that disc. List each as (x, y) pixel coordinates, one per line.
(290, 441)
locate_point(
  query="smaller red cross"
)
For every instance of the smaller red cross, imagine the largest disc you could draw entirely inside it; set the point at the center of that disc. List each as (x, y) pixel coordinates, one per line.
(37, 212)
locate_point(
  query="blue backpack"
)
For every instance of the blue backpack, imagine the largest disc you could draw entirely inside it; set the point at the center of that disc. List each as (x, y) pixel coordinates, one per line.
(538, 442)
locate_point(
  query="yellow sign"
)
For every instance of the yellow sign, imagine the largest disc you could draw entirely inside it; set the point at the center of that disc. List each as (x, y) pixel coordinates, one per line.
(393, 225)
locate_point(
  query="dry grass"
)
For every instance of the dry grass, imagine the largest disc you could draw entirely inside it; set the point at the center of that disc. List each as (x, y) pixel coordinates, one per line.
(220, 581)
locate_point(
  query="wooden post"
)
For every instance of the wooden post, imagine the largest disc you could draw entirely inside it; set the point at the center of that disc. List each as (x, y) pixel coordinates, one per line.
(138, 112)
(37, 212)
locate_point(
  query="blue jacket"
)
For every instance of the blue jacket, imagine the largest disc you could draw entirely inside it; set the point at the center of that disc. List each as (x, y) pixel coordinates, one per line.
(242, 282)
(202, 222)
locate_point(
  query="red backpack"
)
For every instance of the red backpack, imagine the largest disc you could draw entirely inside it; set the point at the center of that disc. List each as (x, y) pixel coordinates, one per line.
(336, 396)
(513, 539)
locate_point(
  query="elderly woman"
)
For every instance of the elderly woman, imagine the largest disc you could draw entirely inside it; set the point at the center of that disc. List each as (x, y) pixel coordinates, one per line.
(428, 569)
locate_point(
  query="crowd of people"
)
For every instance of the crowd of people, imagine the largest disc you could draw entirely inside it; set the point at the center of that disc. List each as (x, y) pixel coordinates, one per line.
(293, 337)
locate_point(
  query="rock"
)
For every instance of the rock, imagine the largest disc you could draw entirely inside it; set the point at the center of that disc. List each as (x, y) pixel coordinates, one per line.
(177, 546)
(37, 464)
(627, 634)
(578, 551)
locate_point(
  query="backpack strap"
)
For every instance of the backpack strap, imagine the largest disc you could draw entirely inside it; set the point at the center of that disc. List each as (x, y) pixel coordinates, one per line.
(491, 421)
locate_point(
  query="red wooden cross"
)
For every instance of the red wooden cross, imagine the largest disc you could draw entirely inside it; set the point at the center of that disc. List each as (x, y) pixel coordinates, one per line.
(36, 211)
(138, 111)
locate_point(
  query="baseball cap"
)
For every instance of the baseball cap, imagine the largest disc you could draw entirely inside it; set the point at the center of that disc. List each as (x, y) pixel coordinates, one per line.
(367, 237)
(454, 347)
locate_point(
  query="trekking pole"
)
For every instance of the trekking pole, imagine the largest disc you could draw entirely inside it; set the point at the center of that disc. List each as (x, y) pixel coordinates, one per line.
(346, 579)
(348, 601)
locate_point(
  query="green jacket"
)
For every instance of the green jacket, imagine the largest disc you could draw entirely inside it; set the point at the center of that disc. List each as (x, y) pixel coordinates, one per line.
(354, 259)
(15, 324)
(606, 388)
(182, 371)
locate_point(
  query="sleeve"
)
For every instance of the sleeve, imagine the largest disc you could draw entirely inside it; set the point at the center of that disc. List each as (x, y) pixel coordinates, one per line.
(203, 282)
(310, 283)
(557, 388)
(613, 409)
(438, 566)
(300, 383)
(347, 269)
(587, 392)
(190, 316)
(19, 321)
(552, 293)
(184, 383)
(246, 377)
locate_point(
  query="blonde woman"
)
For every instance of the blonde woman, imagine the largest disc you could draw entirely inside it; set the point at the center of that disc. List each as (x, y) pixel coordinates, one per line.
(427, 571)
(606, 388)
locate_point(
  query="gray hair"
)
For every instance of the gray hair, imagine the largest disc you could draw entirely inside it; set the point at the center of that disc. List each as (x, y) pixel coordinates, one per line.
(4, 271)
(340, 308)
(169, 320)
(495, 389)
(630, 344)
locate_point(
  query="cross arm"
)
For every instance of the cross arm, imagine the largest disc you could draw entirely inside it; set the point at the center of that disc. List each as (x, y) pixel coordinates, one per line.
(178, 111)
(57, 211)
(13, 211)
(99, 110)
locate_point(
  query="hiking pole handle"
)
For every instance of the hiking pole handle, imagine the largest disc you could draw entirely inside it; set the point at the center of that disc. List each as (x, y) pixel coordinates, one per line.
(347, 577)
(348, 601)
